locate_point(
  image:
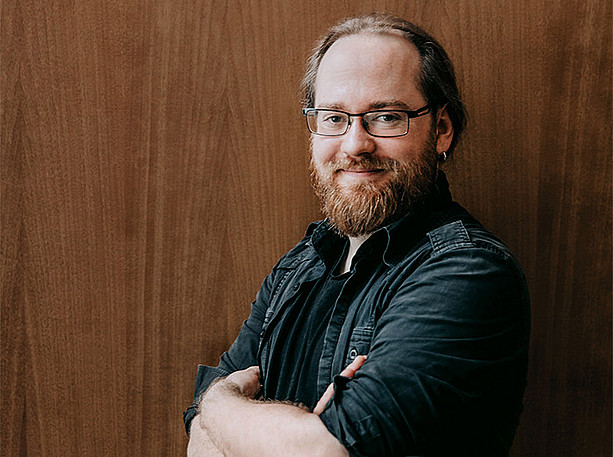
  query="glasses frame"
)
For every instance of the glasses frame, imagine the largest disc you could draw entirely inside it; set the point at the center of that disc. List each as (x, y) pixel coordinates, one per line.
(411, 114)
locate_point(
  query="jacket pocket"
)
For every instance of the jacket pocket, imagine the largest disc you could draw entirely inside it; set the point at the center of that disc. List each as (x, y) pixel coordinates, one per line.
(359, 343)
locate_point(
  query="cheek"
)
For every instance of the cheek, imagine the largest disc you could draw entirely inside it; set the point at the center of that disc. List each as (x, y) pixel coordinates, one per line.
(324, 150)
(401, 150)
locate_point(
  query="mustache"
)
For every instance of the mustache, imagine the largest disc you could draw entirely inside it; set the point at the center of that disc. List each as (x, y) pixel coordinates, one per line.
(364, 163)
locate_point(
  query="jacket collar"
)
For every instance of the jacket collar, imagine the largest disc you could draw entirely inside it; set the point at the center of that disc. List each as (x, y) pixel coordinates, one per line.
(403, 234)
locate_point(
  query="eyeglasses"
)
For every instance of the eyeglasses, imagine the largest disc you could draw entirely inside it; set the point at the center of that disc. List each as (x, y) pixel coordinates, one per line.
(379, 123)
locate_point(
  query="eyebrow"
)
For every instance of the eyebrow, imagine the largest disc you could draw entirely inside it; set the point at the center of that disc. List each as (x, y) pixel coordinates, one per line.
(383, 104)
(390, 104)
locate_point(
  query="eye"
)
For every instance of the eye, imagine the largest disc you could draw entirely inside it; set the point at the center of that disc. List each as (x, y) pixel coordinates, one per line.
(388, 117)
(332, 118)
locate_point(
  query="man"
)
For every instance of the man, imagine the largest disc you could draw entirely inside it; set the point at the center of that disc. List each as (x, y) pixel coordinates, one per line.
(399, 325)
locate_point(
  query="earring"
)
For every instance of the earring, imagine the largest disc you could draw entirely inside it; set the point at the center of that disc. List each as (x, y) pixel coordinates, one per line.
(443, 156)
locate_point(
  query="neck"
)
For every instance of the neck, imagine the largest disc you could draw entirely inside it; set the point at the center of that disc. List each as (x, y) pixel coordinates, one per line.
(354, 245)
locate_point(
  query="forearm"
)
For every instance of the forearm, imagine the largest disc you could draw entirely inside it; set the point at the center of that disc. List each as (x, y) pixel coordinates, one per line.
(200, 444)
(240, 426)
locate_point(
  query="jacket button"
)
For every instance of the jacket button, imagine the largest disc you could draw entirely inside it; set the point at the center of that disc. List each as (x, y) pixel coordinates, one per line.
(353, 353)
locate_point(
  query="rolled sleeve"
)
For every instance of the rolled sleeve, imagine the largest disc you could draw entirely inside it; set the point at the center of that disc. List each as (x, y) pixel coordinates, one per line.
(206, 375)
(447, 363)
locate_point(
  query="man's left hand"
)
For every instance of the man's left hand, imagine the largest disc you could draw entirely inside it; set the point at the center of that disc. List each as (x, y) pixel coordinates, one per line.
(348, 372)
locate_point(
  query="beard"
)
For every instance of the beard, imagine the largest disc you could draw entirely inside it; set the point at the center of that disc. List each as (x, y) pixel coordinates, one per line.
(361, 208)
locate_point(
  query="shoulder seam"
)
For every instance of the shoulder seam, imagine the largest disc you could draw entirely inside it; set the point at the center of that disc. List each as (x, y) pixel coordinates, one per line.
(449, 236)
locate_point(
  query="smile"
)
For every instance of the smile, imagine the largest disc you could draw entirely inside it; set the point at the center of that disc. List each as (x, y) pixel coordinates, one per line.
(361, 172)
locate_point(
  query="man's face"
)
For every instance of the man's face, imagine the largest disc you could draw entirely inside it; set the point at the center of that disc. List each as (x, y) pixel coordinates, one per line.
(364, 182)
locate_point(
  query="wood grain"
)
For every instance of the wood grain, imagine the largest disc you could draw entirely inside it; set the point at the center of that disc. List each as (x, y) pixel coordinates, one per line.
(154, 167)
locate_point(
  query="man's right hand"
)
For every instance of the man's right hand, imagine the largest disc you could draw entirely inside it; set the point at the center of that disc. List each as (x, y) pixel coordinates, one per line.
(348, 372)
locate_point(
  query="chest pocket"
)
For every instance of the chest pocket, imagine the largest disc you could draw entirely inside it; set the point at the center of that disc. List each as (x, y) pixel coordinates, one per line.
(359, 343)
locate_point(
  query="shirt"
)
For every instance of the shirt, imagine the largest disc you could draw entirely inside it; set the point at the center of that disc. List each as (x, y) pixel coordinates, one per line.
(440, 307)
(297, 350)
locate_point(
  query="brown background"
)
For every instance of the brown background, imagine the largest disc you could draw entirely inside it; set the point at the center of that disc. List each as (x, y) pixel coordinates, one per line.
(154, 168)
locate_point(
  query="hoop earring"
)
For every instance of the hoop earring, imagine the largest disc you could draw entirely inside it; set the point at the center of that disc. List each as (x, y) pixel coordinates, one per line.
(442, 156)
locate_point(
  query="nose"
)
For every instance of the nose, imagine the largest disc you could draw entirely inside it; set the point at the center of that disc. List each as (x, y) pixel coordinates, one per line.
(357, 141)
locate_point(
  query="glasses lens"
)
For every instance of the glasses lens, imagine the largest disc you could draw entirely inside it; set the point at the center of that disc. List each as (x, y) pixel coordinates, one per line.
(387, 123)
(329, 123)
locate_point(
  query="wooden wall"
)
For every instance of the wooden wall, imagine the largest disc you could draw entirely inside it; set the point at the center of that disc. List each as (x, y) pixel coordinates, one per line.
(154, 167)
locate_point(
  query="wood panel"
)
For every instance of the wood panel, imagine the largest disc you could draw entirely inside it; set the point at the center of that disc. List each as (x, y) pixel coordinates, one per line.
(154, 167)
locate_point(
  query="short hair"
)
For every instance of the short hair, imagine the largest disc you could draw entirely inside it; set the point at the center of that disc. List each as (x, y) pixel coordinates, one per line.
(437, 78)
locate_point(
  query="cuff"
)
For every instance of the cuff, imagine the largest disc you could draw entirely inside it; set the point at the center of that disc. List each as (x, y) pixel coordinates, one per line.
(342, 423)
(206, 375)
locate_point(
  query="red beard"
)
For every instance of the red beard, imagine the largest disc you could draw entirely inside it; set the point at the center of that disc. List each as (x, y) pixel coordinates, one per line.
(362, 208)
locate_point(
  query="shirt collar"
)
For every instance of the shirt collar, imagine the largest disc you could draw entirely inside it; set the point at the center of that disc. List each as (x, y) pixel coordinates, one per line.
(328, 244)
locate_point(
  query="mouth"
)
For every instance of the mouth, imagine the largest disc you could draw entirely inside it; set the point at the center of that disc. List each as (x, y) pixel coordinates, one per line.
(361, 171)
(357, 175)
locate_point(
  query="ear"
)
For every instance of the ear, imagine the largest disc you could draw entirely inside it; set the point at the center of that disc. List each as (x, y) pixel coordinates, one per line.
(444, 131)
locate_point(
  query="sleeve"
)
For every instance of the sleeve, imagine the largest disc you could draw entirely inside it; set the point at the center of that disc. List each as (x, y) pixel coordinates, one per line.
(242, 353)
(446, 365)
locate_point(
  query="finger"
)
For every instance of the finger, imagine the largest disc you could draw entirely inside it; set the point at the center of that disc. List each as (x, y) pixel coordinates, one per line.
(354, 366)
(323, 401)
(348, 372)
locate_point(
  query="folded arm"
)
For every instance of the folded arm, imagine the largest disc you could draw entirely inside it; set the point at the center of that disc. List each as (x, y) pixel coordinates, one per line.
(446, 367)
(238, 425)
(200, 443)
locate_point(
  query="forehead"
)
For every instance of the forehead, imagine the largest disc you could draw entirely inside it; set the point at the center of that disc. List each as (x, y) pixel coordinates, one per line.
(369, 68)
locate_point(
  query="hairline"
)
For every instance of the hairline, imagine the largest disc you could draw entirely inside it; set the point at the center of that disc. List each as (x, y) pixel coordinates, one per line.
(310, 80)
(418, 77)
